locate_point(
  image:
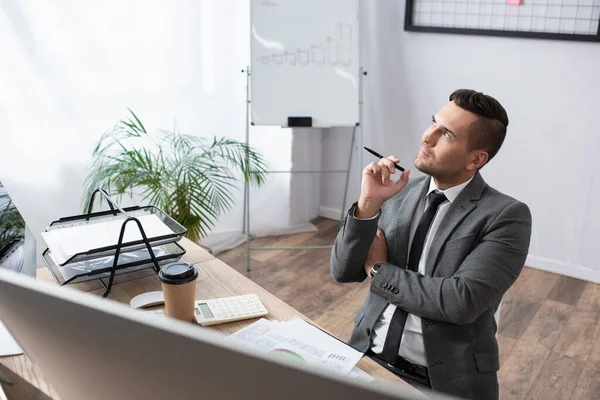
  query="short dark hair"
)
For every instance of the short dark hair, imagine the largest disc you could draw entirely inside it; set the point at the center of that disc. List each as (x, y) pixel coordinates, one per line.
(489, 131)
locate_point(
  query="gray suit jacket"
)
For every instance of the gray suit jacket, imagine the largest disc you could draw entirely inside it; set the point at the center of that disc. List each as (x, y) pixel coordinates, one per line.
(476, 255)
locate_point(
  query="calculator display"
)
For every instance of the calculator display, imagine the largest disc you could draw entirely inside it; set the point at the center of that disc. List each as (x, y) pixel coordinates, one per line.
(205, 310)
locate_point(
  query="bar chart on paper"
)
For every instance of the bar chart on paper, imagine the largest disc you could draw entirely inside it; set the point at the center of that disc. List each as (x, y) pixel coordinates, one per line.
(304, 62)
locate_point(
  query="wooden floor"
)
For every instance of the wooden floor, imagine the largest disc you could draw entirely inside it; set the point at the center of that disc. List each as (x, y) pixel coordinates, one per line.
(549, 332)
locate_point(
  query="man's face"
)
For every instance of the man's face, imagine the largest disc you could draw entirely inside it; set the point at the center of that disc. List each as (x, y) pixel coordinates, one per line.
(444, 149)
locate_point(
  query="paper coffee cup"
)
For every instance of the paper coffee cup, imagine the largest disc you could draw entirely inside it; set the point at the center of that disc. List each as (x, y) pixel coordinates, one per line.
(178, 281)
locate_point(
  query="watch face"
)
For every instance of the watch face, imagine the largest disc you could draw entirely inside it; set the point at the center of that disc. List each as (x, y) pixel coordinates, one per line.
(374, 269)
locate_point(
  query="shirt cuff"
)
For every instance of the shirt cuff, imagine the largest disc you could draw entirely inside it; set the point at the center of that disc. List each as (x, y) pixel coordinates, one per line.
(353, 213)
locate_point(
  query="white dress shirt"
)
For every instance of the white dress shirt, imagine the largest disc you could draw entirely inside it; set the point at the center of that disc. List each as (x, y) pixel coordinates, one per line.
(412, 347)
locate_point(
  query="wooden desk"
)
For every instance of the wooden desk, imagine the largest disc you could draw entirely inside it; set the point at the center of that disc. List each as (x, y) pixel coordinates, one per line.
(215, 279)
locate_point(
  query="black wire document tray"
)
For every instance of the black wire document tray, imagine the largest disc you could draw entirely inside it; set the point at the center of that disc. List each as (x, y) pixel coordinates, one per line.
(70, 238)
(103, 244)
(101, 267)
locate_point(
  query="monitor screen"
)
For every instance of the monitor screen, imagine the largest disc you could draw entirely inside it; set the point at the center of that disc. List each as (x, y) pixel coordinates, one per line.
(17, 245)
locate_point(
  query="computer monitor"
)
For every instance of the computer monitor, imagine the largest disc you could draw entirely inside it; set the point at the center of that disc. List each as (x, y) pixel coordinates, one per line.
(93, 348)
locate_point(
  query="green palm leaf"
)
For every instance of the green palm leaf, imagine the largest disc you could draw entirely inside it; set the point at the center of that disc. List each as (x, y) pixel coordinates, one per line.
(190, 178)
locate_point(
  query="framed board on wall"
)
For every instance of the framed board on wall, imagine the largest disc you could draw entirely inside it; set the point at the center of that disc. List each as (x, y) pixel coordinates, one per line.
(538, 19)
(304, 62)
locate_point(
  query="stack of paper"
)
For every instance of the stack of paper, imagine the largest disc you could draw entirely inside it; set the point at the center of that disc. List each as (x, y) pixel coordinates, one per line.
(83, 267)
(65, 242)
(298, 341)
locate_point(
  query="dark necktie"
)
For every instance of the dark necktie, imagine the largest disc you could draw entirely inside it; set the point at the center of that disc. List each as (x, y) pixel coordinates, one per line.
(394, 335)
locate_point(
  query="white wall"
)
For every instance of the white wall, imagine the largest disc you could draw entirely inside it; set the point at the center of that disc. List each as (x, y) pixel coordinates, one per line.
(551, 90)
(336, 153)
(305, 187)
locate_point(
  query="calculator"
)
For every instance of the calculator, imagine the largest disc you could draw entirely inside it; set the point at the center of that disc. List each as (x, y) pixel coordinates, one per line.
(228, 309)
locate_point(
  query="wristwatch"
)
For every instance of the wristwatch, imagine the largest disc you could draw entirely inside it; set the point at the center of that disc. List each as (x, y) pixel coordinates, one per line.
(375, 268)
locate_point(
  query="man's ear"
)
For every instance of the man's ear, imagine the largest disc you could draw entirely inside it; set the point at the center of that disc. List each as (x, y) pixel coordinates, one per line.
(478, 159)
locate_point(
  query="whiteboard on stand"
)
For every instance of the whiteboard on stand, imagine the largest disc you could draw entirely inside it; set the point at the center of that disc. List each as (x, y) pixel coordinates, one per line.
(304, 62)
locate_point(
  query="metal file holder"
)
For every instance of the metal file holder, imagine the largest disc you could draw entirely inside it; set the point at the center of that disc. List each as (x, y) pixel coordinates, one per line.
(124, 257)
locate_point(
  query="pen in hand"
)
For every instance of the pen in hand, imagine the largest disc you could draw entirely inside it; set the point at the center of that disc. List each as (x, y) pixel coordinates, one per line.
(380, 156)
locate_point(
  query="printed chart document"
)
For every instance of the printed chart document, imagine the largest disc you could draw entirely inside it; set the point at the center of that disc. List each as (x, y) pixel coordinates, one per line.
(8, 346)
(299, 341)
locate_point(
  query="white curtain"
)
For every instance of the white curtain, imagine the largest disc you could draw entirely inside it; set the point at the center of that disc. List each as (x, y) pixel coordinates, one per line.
(69, 69)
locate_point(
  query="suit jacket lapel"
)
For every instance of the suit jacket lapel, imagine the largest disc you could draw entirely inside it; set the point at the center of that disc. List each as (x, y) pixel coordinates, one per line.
(404, 220)
(458, 210)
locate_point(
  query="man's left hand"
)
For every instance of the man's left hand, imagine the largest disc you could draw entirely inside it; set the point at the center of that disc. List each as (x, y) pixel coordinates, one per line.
(377, 251)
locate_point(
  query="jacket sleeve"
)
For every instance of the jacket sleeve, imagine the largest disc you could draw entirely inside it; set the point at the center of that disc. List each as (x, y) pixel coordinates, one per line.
(351, 247)
(480, 281)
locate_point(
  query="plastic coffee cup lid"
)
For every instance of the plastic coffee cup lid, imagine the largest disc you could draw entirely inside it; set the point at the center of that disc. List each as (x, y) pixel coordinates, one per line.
(177, 273)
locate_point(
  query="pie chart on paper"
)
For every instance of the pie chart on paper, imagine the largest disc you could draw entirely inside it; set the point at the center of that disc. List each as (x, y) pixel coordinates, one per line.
(288, 355)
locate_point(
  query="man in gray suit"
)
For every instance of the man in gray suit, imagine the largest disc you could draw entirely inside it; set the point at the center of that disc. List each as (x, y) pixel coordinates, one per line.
(440, 250)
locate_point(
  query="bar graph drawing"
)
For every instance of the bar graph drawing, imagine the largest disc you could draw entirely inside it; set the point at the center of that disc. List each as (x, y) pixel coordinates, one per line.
(334, 50)
(304, 61)
(336, 357)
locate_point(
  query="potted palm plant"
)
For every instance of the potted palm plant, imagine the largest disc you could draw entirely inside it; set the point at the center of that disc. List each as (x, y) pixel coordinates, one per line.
(188, 177)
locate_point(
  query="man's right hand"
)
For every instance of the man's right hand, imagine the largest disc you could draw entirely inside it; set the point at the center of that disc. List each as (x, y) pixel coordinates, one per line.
(377, 186)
